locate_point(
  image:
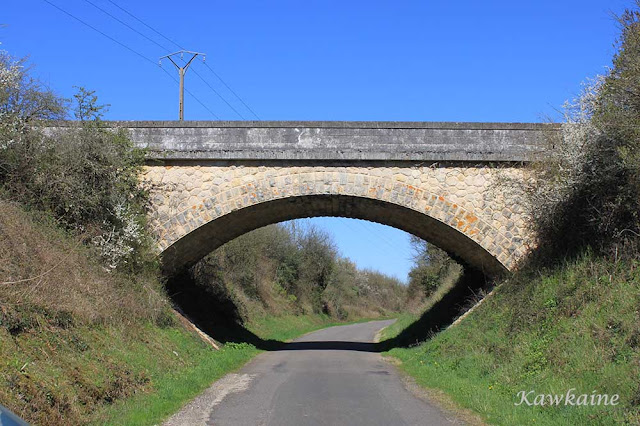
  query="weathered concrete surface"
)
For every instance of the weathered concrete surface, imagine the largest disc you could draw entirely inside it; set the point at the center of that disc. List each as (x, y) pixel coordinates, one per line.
(292, 140)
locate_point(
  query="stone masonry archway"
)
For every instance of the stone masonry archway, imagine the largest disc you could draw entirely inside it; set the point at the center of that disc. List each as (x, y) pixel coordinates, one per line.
(200, 207)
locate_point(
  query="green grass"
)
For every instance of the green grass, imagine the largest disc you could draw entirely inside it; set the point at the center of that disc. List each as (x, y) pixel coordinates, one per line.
(403, 321)
(187, 367)
(287, 327)
(575, 327)
(115, 375)
(181, 377)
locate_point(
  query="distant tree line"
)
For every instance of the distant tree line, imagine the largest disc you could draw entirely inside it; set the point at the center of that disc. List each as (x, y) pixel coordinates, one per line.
(294, 268)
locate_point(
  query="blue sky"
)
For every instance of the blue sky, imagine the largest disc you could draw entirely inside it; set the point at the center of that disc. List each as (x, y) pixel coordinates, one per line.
(515, 61)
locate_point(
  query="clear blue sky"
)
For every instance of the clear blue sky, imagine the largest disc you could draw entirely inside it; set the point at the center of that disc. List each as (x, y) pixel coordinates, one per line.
(326, 60)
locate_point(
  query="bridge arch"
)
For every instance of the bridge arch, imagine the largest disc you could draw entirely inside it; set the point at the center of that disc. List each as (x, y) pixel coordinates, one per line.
(218, 209)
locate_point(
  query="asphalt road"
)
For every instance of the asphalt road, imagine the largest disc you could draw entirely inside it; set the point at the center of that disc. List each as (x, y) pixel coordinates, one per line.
(329, 377)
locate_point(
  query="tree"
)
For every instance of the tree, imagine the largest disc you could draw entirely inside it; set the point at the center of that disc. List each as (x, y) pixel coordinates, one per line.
(431, 264)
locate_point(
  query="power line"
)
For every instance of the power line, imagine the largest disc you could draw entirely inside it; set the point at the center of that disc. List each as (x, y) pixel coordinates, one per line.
(219, 95)
(191, 94)
(125, 24)
(348, 225)
(383, 237)
(363, 224)
(100, 32)
(206, 65)
(163, 48)
(128, 48)
(231, 90)
(200, 102)
(389, 242)
(145, 24)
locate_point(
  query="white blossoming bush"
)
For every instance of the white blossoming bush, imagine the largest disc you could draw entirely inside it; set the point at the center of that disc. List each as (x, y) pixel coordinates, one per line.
(557, 174)
(117, 244)
(85, 176)
(9, 75)
(582, 192)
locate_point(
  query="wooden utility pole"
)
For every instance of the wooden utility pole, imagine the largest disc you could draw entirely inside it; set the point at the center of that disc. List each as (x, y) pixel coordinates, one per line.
(181, 71)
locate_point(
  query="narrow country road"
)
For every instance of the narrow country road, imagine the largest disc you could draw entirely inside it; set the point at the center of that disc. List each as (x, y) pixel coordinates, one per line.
(329, 377)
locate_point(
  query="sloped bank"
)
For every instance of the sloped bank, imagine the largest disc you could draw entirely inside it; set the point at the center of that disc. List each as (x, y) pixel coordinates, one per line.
(80, 345)
(575, 327)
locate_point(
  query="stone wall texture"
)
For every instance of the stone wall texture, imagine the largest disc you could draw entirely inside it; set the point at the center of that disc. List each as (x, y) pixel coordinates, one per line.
(198, 206)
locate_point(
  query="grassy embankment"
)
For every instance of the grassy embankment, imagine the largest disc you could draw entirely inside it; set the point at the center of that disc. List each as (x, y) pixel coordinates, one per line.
(81, 345)
(179, 378)
(574, 327)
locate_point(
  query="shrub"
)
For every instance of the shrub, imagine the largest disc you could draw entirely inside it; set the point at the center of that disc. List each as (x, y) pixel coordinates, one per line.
(584, 191)
(289, 267)
(431, 265)
(82, 173)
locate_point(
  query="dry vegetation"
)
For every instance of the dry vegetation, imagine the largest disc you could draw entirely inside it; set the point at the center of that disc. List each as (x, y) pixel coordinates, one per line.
(53, 299)
(293, 268)
(41, 266)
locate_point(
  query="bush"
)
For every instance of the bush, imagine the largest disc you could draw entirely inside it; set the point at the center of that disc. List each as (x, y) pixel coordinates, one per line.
(431, 266)
(292, 268)
(83, 174)
(584, 191)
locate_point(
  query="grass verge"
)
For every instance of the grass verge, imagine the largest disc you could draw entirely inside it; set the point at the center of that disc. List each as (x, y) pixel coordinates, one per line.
(577, 327)
(193, 366)
(287, 327)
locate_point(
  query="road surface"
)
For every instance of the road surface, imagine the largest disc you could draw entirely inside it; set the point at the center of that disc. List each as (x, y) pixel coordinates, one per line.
(329, 377)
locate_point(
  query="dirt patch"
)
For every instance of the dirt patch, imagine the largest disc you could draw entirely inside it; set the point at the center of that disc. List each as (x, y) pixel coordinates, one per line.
(198, 411)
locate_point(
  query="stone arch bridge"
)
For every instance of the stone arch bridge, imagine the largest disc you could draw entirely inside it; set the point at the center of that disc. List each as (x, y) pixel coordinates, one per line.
(214, 181)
